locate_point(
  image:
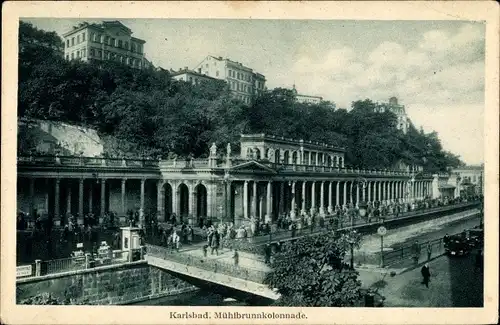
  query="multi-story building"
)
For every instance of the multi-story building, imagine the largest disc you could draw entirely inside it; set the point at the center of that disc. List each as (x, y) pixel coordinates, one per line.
(398, 110)
(108, 41)
(243, 82)
(190, 76)
(471, 179)
(308, 99)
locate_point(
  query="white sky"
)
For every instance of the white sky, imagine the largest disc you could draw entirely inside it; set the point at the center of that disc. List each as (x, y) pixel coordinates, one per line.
(435, 68)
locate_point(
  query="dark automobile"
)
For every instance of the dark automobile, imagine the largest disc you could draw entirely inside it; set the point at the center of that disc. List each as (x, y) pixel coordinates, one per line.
(475, 237)
(457, 246)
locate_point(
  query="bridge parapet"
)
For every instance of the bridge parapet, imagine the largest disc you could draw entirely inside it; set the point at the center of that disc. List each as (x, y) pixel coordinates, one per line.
(211, 265)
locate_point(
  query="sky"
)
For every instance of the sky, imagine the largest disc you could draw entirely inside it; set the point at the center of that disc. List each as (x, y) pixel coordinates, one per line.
(434, 68)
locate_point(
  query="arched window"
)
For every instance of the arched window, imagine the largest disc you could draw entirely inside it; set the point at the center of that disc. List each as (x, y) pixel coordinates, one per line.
(257, 153)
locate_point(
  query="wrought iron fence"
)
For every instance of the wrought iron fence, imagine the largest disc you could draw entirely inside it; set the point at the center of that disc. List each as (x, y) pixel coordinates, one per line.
(65, 265)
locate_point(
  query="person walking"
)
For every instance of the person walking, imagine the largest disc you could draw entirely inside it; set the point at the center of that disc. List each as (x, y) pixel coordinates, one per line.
(478, 265)
(236, 257)
(426, 274)
(267, 252)
(416, 252)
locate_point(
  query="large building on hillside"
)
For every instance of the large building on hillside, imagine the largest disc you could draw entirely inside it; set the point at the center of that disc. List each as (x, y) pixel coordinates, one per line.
(244, 83)
(108, 41)
(190, 76)
(398, 110)
(308, 99)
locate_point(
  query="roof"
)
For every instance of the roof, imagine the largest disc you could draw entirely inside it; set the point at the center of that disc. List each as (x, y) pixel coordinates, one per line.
(310, 96)
(187, 71)
(446, 186)
(273, 138)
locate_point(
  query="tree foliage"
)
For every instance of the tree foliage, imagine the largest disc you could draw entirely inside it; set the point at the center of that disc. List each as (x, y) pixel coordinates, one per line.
(149, 113)
(310, 272)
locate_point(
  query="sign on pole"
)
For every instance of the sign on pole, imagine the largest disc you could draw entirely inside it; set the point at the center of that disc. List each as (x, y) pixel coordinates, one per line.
(382, 231)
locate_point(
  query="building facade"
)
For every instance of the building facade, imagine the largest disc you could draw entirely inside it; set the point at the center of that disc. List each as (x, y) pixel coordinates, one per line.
(471, 179)
(190, 76)
(308, 99)
(108, 41)
(287, 177)
(244, 83)
(403, 123)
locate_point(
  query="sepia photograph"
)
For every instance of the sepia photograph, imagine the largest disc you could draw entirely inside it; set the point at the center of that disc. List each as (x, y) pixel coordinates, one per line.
(243, 162)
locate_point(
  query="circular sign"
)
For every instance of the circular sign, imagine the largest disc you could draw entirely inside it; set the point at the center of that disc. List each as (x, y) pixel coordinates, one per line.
(381, 230)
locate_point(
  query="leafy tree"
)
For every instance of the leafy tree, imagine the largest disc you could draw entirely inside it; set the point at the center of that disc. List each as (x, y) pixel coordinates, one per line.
(310, 272)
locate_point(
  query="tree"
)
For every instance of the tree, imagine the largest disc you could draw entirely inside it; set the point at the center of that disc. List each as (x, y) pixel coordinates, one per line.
(310, 272)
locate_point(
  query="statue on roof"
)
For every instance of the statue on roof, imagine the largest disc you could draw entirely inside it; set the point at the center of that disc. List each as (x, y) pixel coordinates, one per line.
(213, 150)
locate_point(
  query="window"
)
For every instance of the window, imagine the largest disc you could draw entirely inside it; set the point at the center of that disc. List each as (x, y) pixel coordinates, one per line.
(67, 56)
(72, 41)
(126, 45)
(67, 43)
(217, 73)
(92, 52)
(206, 66)
(99, 53)
(77, 54)
(133, 47)
(83, 37)
(106, 39)
(113, 42)
(84, 53)
(92, 37)
(120, 43)
(77, 39)
(72, 55)
(191, 79)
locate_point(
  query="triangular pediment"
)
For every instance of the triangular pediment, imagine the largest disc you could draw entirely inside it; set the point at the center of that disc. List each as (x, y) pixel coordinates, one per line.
(252, 166)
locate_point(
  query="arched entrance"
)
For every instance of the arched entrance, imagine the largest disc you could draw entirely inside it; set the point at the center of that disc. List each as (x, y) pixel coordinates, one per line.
(168, 201)
(183, 200)
(201, 201)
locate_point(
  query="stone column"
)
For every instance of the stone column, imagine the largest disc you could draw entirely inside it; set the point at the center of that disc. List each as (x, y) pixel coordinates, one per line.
(322, 199)
(384, 197)
(282, 198)
(103, 197)
(91, 196)
(337, 194)
(310, 158)
(292, 210)
(245, 199)
(369, 191)
(210, 196)
(379, 191)
(193, 200)
(344, 199)
(47, 195)
(364, 192)
(160, 201)
(254, 200)
(313, 198)
(350, 193)
(330, 197)
(80, 198)
(357, 194)
(32, 198)
(303, 210)
(142, 195)
(124, 206)
(175, 198)
(68, 199)
(269, 202)
(56, 198)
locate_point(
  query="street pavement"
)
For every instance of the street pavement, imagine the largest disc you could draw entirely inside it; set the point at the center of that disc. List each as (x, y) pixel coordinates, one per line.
(454, 283)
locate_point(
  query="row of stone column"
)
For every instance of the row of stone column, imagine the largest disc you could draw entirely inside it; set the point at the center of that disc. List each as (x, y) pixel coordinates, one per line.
(382, 191)
(57, 189)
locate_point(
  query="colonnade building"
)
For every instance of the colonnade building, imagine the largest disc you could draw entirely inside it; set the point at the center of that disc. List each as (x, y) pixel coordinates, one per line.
(271, 176)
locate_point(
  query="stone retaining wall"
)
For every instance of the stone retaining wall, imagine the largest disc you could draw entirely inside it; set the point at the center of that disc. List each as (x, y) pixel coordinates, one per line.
(112, 286)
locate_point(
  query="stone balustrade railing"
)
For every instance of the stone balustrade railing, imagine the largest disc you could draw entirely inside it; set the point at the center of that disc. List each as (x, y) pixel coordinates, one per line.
(203, 163)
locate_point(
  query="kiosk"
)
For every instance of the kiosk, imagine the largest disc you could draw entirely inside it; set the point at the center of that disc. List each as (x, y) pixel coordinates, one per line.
(131, 240)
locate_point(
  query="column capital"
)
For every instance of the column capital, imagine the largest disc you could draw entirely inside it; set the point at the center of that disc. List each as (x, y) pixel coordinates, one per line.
(124, 180)
(81, 180)
(57, 180)
(143, 180)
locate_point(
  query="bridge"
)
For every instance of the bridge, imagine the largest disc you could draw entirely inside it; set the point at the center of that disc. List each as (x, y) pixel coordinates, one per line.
(248, 276)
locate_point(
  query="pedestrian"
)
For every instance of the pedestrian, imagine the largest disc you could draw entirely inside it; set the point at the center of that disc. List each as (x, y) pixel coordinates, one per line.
(236, 258)
(416, 252)
(267, 254)
(429, 251)
(426, 274)
(294, 228)
(479, 261)
(205, 249)
(190, 234)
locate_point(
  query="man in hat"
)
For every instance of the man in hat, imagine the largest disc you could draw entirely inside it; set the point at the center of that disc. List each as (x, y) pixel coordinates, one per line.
(426, 274)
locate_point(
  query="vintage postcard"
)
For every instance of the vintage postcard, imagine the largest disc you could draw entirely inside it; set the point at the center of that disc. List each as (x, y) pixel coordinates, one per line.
(250, 162)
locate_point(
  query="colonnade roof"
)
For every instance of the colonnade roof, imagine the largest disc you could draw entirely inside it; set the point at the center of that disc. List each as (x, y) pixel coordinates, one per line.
(282, 140)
